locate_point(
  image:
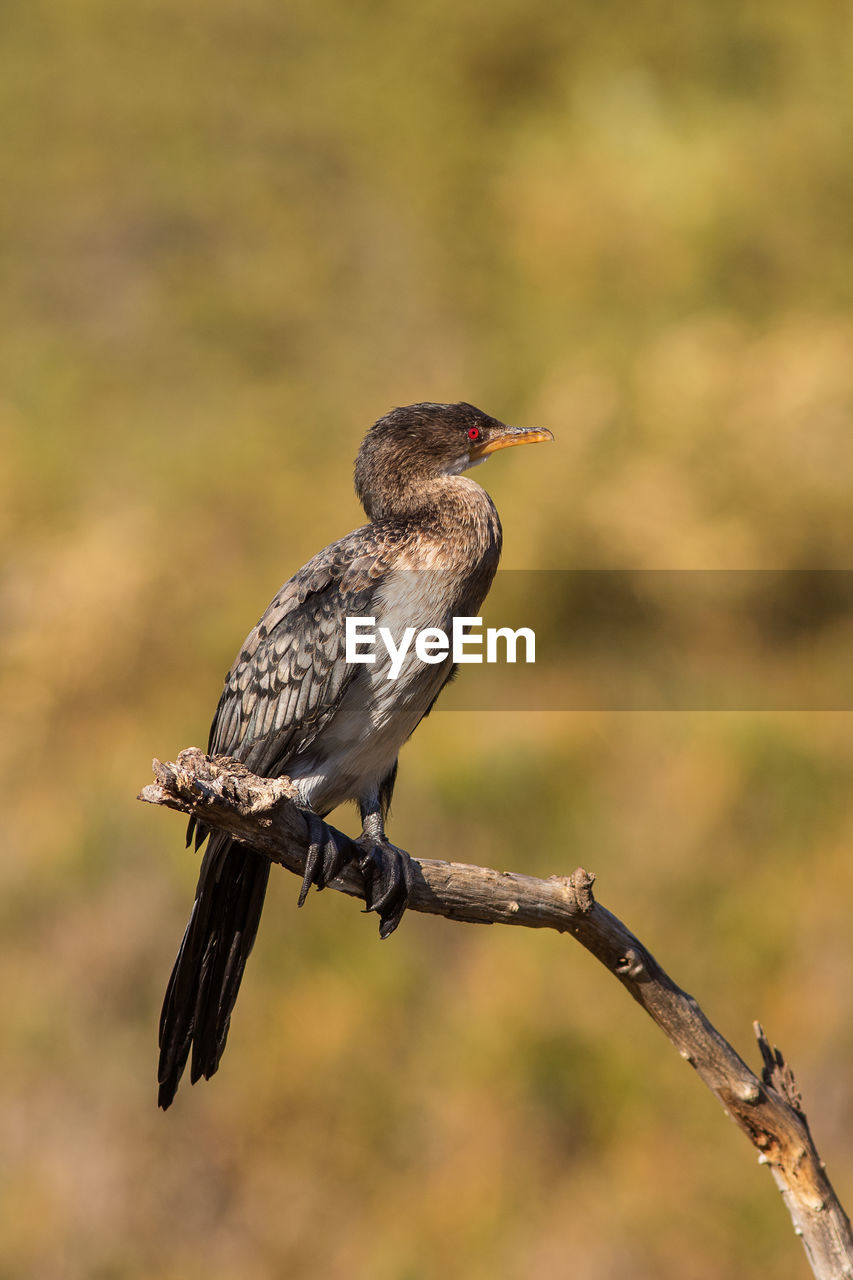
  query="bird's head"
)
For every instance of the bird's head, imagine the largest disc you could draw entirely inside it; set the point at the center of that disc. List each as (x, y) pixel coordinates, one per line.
(412, 446)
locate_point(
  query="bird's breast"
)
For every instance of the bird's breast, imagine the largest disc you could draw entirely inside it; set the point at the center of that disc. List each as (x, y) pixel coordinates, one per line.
(441, 568)
(387, 698)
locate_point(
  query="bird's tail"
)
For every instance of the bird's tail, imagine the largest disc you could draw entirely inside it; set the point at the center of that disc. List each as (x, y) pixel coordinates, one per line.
(206, 975)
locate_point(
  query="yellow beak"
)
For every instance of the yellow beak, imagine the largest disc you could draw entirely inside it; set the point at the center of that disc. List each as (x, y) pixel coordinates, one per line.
(509, 437)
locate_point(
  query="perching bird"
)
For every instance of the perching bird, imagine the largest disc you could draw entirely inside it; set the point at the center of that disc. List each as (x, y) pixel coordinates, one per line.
(293, 705)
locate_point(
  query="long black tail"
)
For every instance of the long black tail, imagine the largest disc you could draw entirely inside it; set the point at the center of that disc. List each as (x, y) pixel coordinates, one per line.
(206, 976)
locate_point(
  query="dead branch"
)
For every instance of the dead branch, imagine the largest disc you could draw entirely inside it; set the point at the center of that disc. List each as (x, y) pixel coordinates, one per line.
(261, 812)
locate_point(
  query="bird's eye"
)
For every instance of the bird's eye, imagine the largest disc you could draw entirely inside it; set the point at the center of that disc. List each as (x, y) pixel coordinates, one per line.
(473, 433)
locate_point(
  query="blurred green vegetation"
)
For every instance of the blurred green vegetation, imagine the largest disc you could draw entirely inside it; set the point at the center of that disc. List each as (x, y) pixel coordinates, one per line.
(231, 236)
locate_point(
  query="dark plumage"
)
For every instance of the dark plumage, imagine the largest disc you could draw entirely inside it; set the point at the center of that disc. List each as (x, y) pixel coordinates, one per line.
(293, 705)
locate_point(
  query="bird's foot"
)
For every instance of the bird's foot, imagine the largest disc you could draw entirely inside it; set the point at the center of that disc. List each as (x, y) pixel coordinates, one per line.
(387, 870)
(327, 854)
(388, 880)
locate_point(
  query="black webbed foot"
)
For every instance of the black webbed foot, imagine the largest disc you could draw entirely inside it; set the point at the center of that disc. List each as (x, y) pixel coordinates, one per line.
(387, 870)
(326, 855)
(388, 880)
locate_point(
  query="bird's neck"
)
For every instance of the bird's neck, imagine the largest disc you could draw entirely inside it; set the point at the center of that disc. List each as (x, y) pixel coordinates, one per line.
(453, 512)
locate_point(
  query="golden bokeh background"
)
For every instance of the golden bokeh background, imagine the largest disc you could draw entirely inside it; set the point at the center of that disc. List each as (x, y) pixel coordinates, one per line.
(232, 236)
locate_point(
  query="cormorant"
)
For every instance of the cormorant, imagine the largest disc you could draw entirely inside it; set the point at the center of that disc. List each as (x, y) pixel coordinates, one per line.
(293, 705)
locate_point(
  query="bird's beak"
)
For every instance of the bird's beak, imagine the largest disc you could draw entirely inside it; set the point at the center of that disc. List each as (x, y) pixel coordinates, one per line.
(508, 436)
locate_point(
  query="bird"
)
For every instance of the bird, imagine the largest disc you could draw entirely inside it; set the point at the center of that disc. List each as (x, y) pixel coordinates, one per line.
(293, 706)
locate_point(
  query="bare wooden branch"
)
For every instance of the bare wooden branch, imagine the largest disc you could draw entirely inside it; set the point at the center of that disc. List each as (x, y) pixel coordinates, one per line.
(261, 812)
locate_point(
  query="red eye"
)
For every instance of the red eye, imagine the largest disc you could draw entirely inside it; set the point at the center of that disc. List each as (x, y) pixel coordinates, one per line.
(473, 433)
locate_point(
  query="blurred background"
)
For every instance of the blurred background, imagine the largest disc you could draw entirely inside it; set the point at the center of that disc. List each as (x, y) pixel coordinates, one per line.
(232, 235)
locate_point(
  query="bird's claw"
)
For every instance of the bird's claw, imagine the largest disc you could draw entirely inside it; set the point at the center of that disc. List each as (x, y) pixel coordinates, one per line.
(324, 859)
(388, 881)
(387, 870)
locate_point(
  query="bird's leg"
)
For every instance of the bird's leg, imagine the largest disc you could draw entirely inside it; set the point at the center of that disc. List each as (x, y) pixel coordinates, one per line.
(387, 870)
(325, 858)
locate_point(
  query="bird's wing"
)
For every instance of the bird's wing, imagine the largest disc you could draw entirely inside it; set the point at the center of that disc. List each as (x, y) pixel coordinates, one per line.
(287, 679)
(278, 695)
